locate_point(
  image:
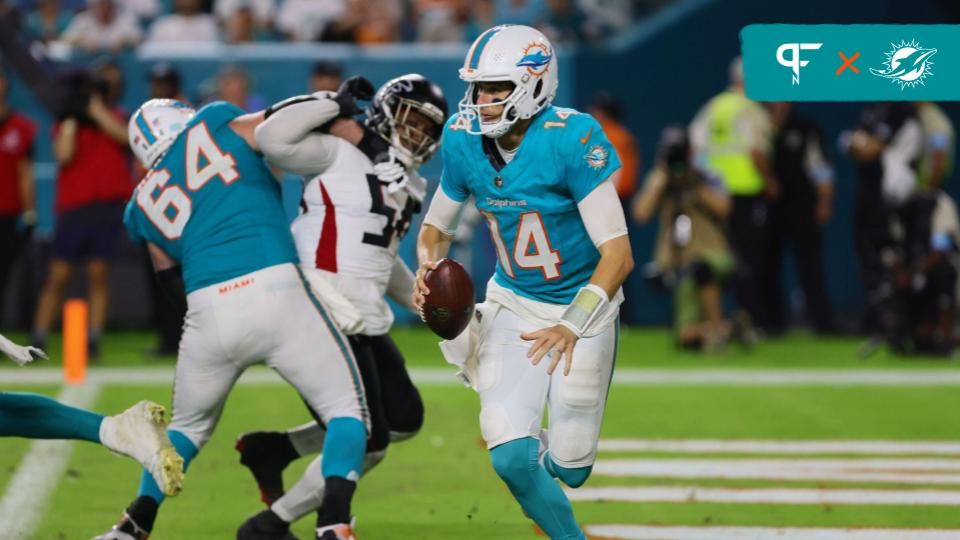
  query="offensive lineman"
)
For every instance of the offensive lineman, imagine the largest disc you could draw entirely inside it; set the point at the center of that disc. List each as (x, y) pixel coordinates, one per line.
(210, 205)
(359, 202)
(540, 175)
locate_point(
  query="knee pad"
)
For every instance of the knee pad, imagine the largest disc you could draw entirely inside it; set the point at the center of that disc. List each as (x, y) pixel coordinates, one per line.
(494, 423)
(573, 443)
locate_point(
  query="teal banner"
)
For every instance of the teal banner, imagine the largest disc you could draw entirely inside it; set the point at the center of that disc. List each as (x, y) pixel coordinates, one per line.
(857, 62)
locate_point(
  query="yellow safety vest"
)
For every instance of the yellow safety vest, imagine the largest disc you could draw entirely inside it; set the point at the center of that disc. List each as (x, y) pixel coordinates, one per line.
(727, 153)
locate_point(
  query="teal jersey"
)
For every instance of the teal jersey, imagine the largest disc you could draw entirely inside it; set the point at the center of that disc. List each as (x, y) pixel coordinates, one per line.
(543, 249)
(212, 204)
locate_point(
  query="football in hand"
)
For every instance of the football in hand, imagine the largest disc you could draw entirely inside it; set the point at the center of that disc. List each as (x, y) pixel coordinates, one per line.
(449, 306)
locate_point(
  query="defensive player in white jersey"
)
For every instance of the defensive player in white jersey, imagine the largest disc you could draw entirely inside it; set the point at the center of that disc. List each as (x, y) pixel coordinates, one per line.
(139, 432)
(210, 205)
(541, 176)
(362, 191)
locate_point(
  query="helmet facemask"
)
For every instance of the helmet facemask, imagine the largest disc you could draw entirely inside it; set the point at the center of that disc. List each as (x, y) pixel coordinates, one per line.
(473, 111)
(413, 145)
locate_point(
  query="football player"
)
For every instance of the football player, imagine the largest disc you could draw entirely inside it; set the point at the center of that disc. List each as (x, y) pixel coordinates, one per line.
(363, 191)
(547, 332)
(139, 432)
(209, 206)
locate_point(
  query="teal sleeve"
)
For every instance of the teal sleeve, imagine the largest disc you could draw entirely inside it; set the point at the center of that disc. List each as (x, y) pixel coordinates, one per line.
(452, 180)
(591, 157)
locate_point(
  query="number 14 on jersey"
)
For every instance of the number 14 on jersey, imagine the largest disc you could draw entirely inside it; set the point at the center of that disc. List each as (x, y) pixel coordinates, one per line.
(531, 247)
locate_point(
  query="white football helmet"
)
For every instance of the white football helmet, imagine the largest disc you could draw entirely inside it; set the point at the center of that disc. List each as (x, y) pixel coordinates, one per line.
(519, 54)
(155, 126)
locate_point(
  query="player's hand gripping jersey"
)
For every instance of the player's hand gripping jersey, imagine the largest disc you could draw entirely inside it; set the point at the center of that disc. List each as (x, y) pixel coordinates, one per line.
(543, 249)
(198, 206)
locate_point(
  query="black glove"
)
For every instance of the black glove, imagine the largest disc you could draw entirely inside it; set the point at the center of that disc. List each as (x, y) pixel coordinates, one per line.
(354, 89)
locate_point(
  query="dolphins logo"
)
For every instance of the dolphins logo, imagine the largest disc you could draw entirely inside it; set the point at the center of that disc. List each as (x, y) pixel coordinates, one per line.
(908, 64)
(536, 58)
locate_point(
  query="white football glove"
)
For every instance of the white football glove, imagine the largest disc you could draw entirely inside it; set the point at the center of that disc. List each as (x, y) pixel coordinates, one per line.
(346, 316)
(19, 354)
(392, 173)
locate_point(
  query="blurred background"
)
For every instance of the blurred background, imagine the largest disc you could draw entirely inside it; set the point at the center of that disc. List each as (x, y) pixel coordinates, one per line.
(811, 236)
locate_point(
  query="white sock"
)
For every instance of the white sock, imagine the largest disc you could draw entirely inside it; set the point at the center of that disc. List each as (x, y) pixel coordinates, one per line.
(307, 494)
(304, 497)
(308, 438)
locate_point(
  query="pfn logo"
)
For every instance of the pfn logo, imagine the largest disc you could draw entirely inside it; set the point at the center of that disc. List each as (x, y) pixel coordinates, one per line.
(794, 62)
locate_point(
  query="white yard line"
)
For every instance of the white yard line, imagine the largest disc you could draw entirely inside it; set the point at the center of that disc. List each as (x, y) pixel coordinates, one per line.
(906, 471)
(674, 494)
(711, 446)
(622, 377)
(24, 502)
(644, 532)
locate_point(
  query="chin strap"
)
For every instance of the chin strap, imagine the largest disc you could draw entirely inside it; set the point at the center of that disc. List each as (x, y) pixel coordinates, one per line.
(586, 308)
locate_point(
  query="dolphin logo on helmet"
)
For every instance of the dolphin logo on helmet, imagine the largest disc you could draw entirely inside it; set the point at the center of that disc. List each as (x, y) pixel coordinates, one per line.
(536, 58)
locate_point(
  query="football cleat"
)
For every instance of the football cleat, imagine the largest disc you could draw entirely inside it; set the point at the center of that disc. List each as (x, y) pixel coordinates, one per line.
(339, 531)
(265, 526)
(258, 453)
(141, 433)
(126, 529)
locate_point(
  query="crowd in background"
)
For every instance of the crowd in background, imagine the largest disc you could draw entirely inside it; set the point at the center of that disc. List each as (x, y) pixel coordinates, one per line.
(112, 25)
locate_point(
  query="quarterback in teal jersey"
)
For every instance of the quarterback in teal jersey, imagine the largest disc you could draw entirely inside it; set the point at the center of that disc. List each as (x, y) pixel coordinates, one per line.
(210, 209)
(540, 176)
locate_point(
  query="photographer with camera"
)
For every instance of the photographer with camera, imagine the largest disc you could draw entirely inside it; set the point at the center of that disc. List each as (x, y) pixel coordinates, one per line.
(925, 275)
(691, 254)
(885, 147)
(93, 182)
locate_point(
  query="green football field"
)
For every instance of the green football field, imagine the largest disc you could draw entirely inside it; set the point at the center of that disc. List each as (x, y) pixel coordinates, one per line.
(826, 443)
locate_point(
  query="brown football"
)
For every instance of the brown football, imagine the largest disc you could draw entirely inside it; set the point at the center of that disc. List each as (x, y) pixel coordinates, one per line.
(449, 306)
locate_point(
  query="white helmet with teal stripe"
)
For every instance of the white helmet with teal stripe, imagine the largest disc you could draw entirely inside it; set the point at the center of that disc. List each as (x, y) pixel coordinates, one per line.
(518, 54)
(155, 126)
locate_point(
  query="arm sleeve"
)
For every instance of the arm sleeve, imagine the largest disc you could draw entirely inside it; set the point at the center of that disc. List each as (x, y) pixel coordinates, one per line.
(287, 139)
(602, 214)
(444, 212)
(591, 157)
(452, 180)
(400, 286)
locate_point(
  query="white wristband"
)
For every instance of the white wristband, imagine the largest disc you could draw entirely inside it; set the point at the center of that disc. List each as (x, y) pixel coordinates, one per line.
(590, 302)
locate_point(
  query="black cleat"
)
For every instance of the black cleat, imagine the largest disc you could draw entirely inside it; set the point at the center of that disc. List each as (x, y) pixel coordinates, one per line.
(266, 454)
(265, 526)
